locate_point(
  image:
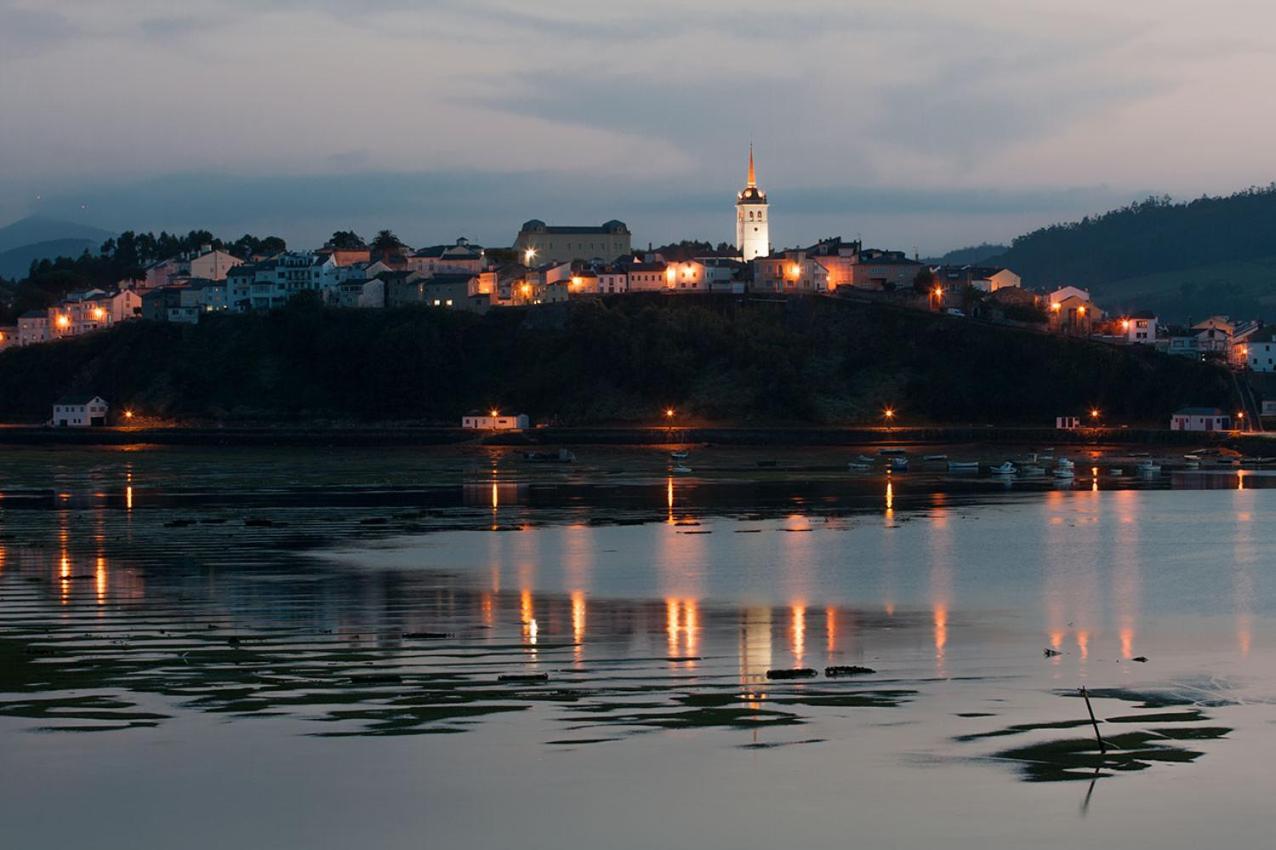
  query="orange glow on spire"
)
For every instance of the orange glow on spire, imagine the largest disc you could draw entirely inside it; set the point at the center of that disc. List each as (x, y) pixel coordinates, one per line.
(753, 177)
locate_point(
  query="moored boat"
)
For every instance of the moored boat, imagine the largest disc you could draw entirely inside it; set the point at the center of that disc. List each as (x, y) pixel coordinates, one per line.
(1003, 468)
(963, 466)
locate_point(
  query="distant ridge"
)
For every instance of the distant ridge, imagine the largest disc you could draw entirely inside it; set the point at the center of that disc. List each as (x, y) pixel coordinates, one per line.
(16, 262)
(35, 229)
(973, 255)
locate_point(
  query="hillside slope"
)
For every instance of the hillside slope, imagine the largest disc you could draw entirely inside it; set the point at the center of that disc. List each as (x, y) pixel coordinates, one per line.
(805, 361)
(1113, 254)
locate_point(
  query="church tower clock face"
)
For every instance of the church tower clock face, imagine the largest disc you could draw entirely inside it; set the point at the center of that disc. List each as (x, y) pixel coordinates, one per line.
(752, 234)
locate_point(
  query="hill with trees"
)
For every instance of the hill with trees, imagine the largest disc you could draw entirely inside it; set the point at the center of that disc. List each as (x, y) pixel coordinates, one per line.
(1210, 255)
(817, 361)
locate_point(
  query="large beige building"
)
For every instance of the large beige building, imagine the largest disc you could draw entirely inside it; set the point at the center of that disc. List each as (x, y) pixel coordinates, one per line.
(548, 244)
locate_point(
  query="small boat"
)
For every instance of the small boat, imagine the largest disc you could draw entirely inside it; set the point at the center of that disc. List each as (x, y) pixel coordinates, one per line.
(1004, 468)
(1192, 464)
(1147, 467)
(1192, 459)
(1030, 457)
(963, 466)
(1116, 472)
(898, 464)
(560, 456)
(1031, 471)
(865, 459)
(680, 469)
(856, 466)
(1064, 463)
(934, 458)
(679, 455)
(1064, 472)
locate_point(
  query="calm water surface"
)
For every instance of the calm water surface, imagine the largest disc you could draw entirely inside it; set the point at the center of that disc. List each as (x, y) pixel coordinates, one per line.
(314, 649)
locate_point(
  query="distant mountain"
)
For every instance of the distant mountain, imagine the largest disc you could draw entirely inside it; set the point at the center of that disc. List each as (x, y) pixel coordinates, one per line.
(35, 229)
(15, 262)
(972, 256)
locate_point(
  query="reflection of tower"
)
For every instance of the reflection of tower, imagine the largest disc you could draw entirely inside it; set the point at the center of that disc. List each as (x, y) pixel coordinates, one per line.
(752, 222)
(755, 644)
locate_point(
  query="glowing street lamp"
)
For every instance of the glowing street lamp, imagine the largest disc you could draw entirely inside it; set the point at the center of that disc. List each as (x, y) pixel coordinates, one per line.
(1094, 413)
(1240, 419)
(528, 256)
(98, 314)
(888, 414)
(1055, 307)
(1125, 324)
(63, 321)
(128, 413)
(669, 411)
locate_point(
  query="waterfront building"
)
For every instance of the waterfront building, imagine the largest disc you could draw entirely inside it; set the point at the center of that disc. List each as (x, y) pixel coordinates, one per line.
(752, 218)
(79, 411)
(1200, 419)
(496, 422)
(538, 242)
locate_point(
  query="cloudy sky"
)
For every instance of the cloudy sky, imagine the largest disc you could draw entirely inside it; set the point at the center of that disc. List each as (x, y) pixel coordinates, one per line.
(916, 124)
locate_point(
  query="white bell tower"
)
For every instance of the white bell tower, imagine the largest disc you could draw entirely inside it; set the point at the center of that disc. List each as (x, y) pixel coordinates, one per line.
(752, 222)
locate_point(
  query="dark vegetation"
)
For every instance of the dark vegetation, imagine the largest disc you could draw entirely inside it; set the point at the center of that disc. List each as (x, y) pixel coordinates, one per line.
(817, 361)
(974, 255)
(1155, 235)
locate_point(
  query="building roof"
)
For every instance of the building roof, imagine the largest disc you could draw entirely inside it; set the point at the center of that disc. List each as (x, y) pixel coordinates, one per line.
(535, 225)
(79, 398)
(35, 314)
(446, 278)
(1199, 411)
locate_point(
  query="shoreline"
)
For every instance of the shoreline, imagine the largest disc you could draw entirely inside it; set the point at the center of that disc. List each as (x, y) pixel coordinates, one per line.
(374, 436)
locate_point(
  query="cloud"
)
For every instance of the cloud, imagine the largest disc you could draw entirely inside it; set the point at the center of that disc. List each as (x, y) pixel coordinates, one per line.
(26, 32)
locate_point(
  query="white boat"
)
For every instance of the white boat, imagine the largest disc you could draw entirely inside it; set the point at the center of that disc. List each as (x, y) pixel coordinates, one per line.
(865, 459)
(963, 466)
(680, 469)
(856, 466)
(1064, 472)
(1004, 468)
(899, 464)
(934, 458)
(1030, 471)
(679, 455)
(1064, 463)
(1148, 468)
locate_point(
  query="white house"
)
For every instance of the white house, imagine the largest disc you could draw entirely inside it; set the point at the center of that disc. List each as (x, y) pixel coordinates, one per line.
(1261, 356)
(1200, 419)
(496, 422)
(1139, 328)
(79, 411)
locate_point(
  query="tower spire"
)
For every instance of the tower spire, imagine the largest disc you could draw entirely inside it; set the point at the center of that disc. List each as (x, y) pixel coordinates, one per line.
(753, 177)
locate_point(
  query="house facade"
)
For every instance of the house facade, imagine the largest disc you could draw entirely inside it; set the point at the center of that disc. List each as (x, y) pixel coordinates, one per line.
(1200, 419)
(79, 412)
(540, 242)
(496, 422)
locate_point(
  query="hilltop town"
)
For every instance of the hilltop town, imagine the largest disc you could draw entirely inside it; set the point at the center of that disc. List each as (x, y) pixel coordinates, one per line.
(555, 264)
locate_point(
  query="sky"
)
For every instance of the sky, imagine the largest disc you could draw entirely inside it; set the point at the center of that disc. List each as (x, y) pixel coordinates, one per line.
(921, 125)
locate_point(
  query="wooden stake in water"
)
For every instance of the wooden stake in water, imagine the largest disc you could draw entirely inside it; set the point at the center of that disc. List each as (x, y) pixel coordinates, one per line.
(1103, 750)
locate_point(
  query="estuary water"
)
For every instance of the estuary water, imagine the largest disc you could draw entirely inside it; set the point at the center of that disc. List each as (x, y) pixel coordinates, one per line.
(453, 648)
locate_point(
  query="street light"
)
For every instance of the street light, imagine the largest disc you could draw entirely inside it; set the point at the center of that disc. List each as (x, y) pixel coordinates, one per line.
(669, 413)
(1094, 413)
(888, 414)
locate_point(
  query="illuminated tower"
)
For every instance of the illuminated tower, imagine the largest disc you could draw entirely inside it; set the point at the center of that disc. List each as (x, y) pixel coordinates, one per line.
(751, 220)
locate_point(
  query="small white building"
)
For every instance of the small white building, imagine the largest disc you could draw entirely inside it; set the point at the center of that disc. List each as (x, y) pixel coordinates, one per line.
(1261, 356)
(1067, 423)
(1200, 419)
(496, 422)
(79, 411)
(1139, 328)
